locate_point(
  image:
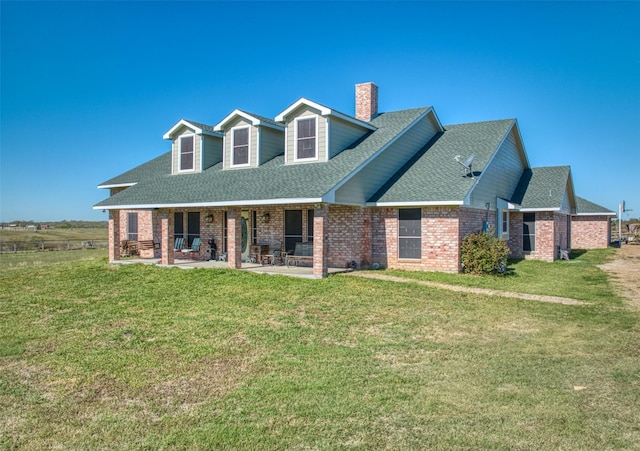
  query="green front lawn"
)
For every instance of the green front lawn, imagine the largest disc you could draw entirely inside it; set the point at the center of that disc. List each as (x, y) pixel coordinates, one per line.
(96, 356)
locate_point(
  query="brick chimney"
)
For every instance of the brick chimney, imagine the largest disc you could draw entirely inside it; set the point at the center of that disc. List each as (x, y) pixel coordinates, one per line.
(366, 101)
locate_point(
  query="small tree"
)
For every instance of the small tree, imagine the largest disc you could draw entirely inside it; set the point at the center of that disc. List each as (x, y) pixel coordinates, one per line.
(484, 253)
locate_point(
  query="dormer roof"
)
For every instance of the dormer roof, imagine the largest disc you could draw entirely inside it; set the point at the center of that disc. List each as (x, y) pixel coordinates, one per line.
(197, 127)
(324, 111)
(255, 119)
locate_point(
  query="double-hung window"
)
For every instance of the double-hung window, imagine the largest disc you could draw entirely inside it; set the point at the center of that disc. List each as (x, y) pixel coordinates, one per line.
(529, 232)
(409, 233)
(187, 154)
(306, 138)
(132, 226)
(240, 145)
(504, 224)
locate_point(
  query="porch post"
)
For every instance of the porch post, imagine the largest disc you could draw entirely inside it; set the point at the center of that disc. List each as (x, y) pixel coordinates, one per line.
(234, 238)
(166, 246)
(114, 235)
(320, 239)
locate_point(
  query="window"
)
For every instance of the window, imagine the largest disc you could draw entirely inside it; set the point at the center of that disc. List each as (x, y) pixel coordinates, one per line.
(292, 229)
(132, 226)
(186, 153)
(409, 233)
(178, 225)
(306, 138)
(504, 228)
(193, 226)
(529, 232)
(225, 242)
(310, 225)
(240, 145)
(254, 227)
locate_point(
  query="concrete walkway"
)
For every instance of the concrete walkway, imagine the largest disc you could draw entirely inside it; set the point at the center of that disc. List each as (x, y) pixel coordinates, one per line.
(462, 289)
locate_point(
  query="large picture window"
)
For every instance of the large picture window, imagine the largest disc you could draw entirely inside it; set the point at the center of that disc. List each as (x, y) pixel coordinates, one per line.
(178, 225)
(132, 226)
(292, 229)
(306, 138)
(193, 226)
(240, 146)
(529, 232)
(186, 153)
(409, 233)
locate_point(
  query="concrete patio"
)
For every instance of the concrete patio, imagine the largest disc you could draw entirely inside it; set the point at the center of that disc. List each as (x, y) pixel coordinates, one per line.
(305, 272)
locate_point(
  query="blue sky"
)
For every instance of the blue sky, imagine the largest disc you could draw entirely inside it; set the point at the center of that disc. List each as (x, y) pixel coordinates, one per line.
(89, 88)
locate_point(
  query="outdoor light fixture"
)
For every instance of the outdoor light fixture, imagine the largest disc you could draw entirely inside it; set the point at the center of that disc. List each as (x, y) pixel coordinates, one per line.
(208, 219)
(266, 217)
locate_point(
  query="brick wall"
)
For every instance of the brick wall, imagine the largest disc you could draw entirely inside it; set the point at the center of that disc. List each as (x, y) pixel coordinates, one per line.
(552, 230)
(442, 228)
(349, 236)
(590, 232)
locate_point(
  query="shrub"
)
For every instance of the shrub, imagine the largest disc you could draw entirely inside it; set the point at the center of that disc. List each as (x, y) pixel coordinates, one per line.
(483, 253)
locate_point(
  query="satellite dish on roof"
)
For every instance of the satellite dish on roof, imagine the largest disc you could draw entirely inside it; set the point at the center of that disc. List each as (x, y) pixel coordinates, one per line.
(466, 164)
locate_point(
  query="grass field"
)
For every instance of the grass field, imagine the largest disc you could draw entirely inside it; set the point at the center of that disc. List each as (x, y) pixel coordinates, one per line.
(94, 356)
(21, 240)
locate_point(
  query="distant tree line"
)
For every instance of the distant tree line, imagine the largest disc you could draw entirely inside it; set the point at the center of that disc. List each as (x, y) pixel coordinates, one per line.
(64, 224)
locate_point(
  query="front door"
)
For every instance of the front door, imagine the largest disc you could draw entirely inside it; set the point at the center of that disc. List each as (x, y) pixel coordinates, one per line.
(246, 226)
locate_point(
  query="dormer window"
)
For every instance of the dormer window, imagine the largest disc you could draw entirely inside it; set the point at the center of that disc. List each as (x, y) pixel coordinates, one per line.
(240, 146)
(306, 138)
(187, 154)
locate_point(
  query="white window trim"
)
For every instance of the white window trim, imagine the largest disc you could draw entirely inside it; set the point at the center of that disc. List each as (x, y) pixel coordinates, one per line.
(504, 234)
(295, 139)
(193, 140)
(248, 163)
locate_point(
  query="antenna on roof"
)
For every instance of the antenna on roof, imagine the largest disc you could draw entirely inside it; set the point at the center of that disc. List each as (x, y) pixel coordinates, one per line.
(466, 164)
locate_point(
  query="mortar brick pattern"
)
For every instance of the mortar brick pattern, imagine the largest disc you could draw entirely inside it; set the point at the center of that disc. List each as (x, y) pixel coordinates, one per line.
(590, 232)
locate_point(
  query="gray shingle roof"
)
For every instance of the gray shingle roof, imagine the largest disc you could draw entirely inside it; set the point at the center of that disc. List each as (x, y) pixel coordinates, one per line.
(151, 169)
(433, 175)
(271, 181)
(585, 207)
(542, 188)
(264, 119)
(205, 127)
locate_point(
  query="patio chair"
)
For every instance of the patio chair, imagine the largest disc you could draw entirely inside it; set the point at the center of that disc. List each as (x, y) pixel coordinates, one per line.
(195, 247)
(178, 244)
(274, 255)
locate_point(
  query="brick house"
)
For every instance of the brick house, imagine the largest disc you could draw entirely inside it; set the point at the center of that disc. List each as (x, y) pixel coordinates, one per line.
(395, 189)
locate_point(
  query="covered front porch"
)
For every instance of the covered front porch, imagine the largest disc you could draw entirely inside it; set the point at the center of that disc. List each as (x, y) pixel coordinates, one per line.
(231, 232)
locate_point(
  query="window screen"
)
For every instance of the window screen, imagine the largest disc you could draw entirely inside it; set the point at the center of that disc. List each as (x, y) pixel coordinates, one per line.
(529, 232)
(132, 226)
(292, 229)
(409, 233)
(193, 226)
(186, 153)
(306, 138)
(178, 225)
(241, 146)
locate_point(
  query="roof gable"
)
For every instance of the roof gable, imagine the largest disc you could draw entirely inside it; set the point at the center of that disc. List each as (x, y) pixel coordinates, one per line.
(197, 127)
(433, 176)
(324, 111)
(544, 188)
(254, 119)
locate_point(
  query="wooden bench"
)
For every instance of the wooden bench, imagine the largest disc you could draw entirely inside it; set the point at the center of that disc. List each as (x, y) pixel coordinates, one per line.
(133, 247)
(302, 253)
